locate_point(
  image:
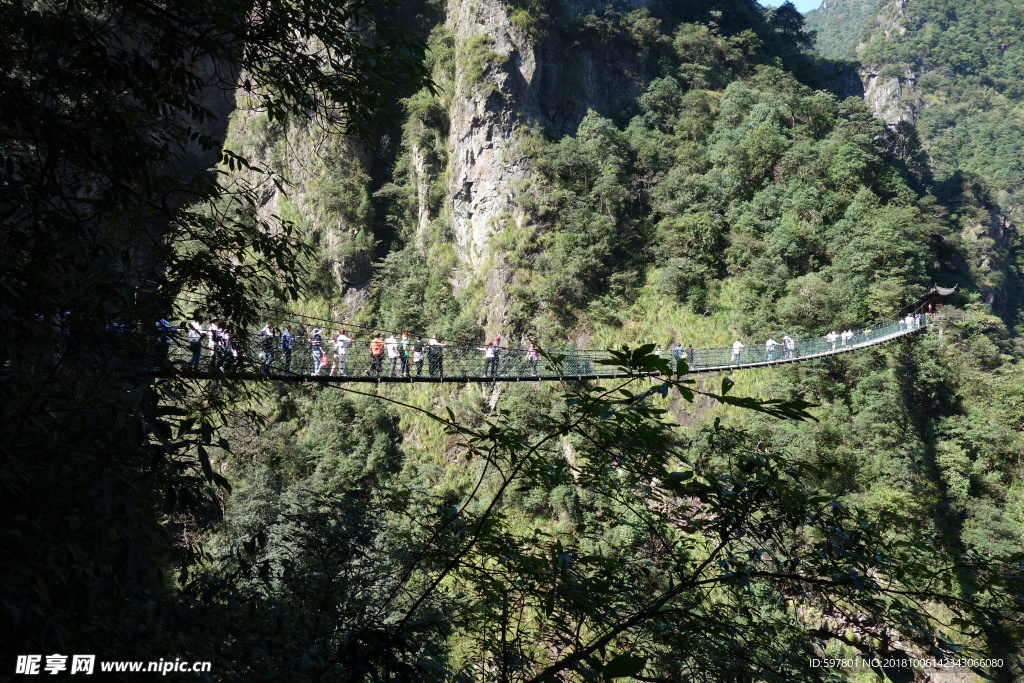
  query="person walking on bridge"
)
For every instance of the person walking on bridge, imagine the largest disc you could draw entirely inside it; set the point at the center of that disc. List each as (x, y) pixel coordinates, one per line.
(435, 357)
(162, 342)
(213, 331)
(496, 370)
(769, 348)
(488, 358)
(404, 351)
(677, 355)
(195, 345)
(532, 356)
(737, 346)
(227, 356)
(213, 340)
(341, 344)
(831, 338)
(286, 348)
(391, 344)
(316, 349)
(417, 355)
(266, 347)
(376, 354)
(789, 345)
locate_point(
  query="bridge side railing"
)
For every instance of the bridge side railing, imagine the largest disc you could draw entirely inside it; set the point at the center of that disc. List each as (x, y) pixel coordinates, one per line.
(448, 360)
(247, 354)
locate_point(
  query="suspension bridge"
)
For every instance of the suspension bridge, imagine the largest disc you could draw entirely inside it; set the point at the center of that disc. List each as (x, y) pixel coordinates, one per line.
(254, 357)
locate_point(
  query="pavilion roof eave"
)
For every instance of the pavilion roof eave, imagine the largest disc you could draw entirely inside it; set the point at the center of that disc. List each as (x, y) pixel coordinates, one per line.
(940, 291)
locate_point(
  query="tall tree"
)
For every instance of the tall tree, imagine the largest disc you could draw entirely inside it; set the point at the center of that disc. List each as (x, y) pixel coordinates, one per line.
(113, 112)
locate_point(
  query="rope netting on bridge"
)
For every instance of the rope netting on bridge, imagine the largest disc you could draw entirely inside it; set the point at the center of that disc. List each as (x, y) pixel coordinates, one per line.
(317, 354)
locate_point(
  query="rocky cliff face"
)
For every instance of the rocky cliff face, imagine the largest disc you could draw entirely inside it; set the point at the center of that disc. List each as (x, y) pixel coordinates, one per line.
(511, 81)
(509, 84)
(492, 103)
(891, 90)
(842, 26)
(893, 98)
(321, 188)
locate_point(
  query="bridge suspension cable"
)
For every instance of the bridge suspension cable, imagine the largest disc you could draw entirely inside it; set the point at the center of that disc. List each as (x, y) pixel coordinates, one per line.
(253, 356)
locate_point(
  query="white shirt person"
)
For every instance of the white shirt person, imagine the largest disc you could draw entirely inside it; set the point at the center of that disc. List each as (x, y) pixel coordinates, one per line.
(736, 347)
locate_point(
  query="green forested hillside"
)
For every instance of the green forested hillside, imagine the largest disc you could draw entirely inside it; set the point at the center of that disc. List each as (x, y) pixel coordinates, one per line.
(868, 505)
(726, 200)
(839, 25)
(966, 59)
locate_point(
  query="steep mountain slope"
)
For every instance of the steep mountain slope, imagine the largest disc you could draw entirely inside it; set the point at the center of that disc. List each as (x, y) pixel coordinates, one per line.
(649, 172)
(945, 76)
(962, 62)
(839, 24)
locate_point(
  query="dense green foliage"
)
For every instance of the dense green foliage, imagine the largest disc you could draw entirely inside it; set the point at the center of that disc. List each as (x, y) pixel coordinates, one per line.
(966, 59)
(733, 193)
(780, 186)
(839, 24)
(108, 130)
(525, 533)
(584, 520)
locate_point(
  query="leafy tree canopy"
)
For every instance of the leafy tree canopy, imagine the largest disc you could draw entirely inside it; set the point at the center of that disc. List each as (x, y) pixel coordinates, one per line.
(113, 112)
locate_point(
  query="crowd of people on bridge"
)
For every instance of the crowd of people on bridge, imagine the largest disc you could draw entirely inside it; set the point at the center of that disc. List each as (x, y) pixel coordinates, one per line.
(788, 348)
(340, 354)
(332, 355)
